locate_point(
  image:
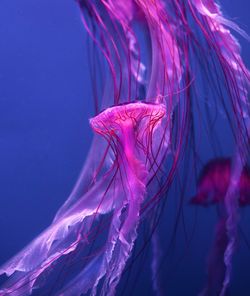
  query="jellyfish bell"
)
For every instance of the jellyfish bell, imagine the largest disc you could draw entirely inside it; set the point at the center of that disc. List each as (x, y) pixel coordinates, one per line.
(131, 124)
(214, 182)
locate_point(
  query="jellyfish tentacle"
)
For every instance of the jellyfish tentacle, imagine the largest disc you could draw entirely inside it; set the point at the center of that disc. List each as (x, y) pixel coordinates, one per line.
(232, 205)
(155, 265)
(216, 266)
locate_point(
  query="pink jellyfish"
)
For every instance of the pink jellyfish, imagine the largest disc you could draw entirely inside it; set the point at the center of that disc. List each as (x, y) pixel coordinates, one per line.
(129, 130)
(212, 189)
(155, 67)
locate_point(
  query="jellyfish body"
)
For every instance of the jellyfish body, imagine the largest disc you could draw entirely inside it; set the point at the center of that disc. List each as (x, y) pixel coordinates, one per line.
(129, 129)
(212, 189)
(215, 180)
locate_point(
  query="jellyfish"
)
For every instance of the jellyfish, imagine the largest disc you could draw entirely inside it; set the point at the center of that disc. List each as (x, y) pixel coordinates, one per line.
(155, 66)
(212, 190)
(129, 130)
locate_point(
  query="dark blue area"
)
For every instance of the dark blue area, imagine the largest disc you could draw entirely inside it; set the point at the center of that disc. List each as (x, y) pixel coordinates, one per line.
(44, 111)
(45, 103)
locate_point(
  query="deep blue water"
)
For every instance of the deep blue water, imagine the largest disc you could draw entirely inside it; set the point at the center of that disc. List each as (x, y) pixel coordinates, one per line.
(45, 135)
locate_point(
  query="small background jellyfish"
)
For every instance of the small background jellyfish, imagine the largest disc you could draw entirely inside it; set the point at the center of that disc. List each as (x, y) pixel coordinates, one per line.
(212, 189)
(179, 54)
